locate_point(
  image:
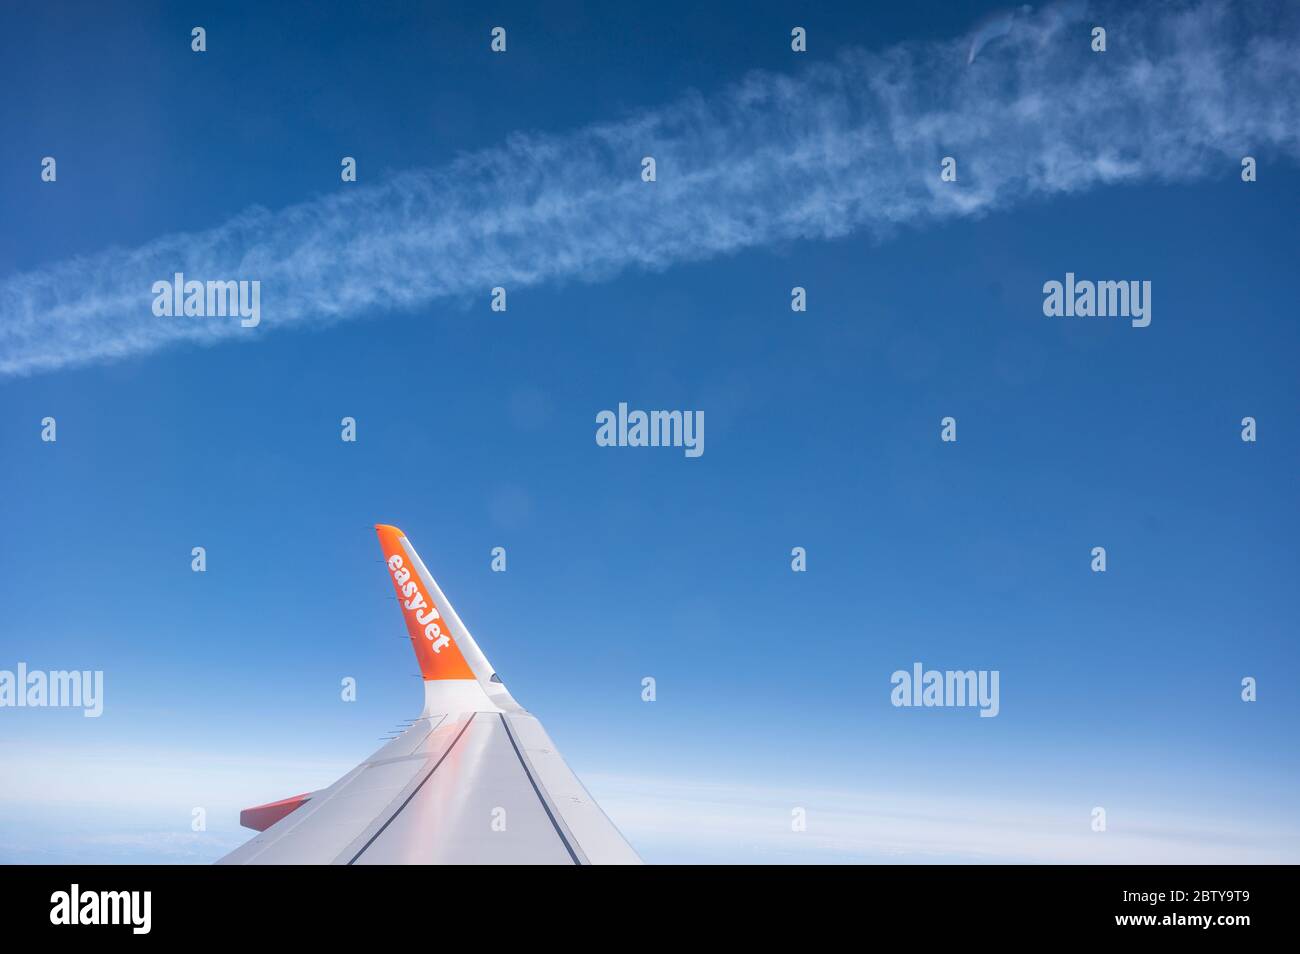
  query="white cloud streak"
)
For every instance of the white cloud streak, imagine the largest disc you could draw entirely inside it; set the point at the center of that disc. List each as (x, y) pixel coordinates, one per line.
(826, 151)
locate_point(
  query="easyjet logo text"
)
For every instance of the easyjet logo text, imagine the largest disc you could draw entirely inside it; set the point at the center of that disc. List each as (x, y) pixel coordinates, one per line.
(414, 600)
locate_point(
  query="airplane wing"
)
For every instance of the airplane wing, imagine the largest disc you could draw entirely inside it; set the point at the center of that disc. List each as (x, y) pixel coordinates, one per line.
(474, 780)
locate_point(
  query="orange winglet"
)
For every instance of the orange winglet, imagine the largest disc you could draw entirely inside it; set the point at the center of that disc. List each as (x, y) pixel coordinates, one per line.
(262, 817)
(435, 649)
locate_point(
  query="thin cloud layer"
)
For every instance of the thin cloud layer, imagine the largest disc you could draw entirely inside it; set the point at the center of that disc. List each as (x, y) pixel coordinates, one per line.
(828, 150)
(679, 820)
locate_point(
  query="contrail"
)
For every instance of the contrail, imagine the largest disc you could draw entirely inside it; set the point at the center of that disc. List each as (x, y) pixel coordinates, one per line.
(833, 148)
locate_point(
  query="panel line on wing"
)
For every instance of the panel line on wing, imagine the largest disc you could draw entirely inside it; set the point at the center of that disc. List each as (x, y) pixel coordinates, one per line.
(523, 763)
(416, 789)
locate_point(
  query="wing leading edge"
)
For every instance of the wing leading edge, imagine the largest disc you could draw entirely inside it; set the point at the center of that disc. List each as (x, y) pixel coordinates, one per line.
(474, 780)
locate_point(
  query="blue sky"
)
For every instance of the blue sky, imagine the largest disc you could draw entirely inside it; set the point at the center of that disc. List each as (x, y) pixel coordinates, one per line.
(475, 430)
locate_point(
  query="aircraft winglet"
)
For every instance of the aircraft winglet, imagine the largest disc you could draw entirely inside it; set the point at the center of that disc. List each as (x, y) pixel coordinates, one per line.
(431, 634)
